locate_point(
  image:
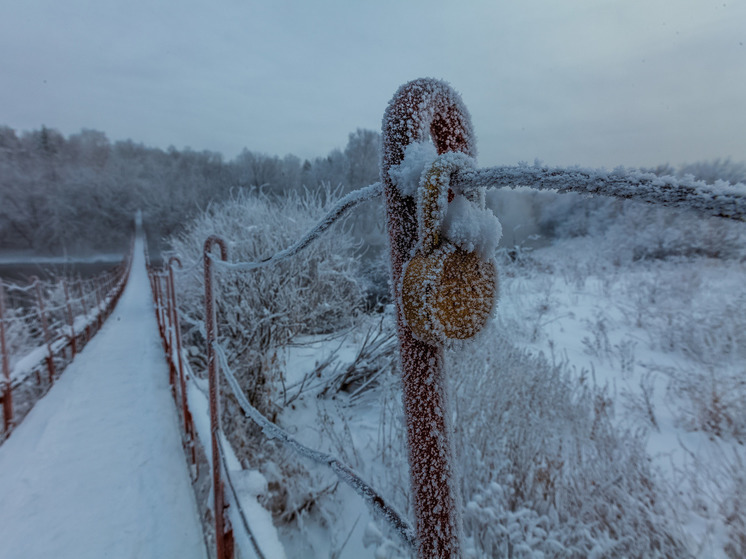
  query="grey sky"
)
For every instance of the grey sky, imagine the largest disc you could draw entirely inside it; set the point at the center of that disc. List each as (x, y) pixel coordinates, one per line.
(589, 82)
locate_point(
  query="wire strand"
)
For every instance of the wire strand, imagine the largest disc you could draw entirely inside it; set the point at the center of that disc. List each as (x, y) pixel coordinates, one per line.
(343, 471)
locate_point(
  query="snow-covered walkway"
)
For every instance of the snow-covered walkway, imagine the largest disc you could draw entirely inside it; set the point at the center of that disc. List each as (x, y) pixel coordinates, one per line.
(96, 469)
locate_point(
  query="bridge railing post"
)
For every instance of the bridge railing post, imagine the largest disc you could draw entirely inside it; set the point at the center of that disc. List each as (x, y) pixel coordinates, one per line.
(223, 532)
(179, 358)
(70, 319)
(84, 304)
(7, 389)
(99, 306)
(421, 109)
(45, 328)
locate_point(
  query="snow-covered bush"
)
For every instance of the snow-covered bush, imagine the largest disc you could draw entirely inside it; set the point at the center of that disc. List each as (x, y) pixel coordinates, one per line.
(18, 335)
(546, 469)
(715, 500)
(683, 317)
(625, 229)
(644, 232)
(316, 291)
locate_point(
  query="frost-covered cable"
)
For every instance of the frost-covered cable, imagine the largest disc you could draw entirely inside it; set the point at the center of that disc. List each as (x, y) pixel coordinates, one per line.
(343, 471)
(21, 317)
(721, 199)
(14, 287)
(344, 205)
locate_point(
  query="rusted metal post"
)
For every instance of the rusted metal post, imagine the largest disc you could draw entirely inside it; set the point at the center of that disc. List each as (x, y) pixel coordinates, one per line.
(177, 334)
(7, 389)
(45, 329)
(99, 309)
(167, 309)
(159, 307)
(83, 295)
(168, 339)
(420, 109)
(163, 293)
(221, 533)
(70, 319)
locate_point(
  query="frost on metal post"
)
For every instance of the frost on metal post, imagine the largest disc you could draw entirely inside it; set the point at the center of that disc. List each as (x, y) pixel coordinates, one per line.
(416, 215)
(223, 532)
(449, 286)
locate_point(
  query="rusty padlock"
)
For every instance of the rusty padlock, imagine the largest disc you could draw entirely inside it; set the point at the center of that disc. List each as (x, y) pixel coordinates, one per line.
(447, 292)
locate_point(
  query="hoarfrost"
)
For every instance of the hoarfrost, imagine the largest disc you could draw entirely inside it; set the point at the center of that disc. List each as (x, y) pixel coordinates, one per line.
(472, 228)
(418, 156)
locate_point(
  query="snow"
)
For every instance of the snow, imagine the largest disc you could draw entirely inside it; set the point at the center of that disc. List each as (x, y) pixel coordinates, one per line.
(471, 228)
(96, 469)
(33, 360)
(418, 156)
(607, 323)
(249, 484)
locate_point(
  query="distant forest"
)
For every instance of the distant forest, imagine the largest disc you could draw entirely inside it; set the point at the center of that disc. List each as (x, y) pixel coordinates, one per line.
(79, 194)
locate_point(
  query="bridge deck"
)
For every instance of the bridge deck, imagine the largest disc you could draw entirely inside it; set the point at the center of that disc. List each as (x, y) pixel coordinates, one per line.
(96, 469)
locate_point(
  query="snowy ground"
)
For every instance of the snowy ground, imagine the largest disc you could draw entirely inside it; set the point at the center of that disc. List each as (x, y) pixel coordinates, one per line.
(656, 333)
(96, 469)
(667, 339)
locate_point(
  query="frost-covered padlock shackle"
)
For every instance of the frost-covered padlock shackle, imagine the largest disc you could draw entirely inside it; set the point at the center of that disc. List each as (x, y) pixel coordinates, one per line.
(448, 291)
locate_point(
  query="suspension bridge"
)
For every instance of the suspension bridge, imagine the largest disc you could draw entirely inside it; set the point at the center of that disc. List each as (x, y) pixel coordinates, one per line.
(96, 467)
(104, 464)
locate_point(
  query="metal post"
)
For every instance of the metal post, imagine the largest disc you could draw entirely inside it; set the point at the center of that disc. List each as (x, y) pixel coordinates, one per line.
(45, 328)
(159, 302)
(97, 288)
(418, 109)
(168, 339)
(82, 292)
(221, 533)
(167, 316)
(71, 320)
(177, 334)
(7, 390)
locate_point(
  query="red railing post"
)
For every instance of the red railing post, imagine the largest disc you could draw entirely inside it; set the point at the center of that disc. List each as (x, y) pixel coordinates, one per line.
(168, 338)
(45, 329)
(99, 310)
(82, 292)
(419, 109)
(177, 334)
(159, 303)
(71, 320)
(222, 529)
(7, 389)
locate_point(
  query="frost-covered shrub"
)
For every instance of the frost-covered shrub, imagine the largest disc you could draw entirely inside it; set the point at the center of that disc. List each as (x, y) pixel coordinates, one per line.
(317, 291)
(712, 401)
(18, 335)
(644, 232)
(628, 231)
(544, 469)
(716, 497)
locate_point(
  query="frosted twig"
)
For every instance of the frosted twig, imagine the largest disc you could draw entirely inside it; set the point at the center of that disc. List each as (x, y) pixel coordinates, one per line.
(344, 205)
(343, 471)
(720, 199)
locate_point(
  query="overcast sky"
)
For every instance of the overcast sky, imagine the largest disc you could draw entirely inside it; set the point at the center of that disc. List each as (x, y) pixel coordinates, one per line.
(588, 82)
